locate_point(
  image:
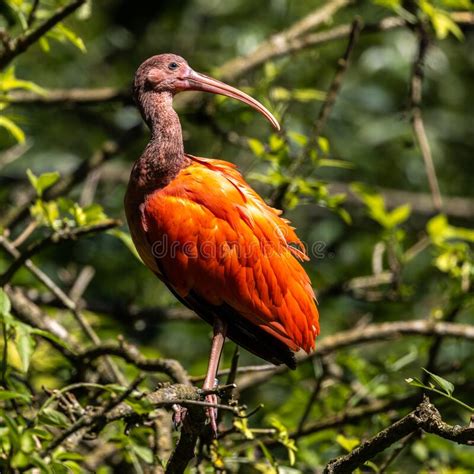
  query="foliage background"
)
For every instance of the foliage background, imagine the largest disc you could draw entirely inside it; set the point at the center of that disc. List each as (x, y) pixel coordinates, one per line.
(368, 139)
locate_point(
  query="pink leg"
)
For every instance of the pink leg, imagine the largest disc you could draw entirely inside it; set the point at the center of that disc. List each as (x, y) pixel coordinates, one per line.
(220, 329)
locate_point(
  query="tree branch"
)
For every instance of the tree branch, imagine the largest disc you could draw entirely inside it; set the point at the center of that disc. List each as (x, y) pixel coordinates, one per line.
(326, 108)
(370, 333)
(234, 68)
(108, 150)
(417, 119)
(281, 43)
(425, 417)
(76, 96)
(113, 370)
(130, 353)
(421, 203)
(54, 238)
(20, 44)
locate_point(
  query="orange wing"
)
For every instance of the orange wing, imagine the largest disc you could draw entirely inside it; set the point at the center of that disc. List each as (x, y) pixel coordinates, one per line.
(217, 244)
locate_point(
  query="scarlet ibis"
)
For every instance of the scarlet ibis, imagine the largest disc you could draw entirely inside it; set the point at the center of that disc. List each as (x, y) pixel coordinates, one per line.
(214, 242)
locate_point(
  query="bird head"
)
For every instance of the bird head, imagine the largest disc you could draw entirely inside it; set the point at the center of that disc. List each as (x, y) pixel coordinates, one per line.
(172, 74)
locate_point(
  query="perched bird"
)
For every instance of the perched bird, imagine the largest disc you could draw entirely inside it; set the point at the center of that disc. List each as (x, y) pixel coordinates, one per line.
(219, 248)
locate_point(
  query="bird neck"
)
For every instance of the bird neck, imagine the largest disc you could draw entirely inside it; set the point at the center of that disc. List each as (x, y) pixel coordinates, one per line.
(163, 156)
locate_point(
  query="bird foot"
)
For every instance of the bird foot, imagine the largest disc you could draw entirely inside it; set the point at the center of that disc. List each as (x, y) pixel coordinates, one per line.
(212, 412)
(179, 415)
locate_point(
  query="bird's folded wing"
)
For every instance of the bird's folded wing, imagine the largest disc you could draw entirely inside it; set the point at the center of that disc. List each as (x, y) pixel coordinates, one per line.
(214, 237)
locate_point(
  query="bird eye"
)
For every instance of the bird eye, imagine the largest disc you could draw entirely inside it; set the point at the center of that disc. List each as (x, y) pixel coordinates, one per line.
(172, 66)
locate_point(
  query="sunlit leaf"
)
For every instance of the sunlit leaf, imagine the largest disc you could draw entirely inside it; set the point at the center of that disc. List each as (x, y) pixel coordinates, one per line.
(126, 240)
(9, 395)
(144, 453)
(12, 128)
(444, 384)
(257, 147)
(25, 345)
(5, 304)
(347, 443)
(50, 416)
(42, 182)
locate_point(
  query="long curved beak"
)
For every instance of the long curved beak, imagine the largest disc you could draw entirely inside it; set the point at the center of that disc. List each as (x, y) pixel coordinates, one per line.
(200, 82)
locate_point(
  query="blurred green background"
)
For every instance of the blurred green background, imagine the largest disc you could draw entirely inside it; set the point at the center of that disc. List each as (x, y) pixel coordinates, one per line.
(370, 135)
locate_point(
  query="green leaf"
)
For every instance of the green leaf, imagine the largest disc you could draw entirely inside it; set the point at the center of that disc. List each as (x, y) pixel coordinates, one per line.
(443, 25)
(50, 416)
(376, 206)
(9, 395)
(5, 304)
(46, 180)
(20, 460)
(46, 213)
(126, 240)
(141, 406)
(276, 143)
(63, 456)
(347, 443)
(50, 337)
(241, 424)
(42, 182)
(399, 215)
(333, 163)
(257, 147)
(323, 144)
(144, 453)
(27, 442)
(440, 231)
(12, 128)
(8, 81)
(94, 213)
(308, 95)
(280, 94)
(298, 138)
(444, 384)
(39, 462)
(62, 33)
(44, 44)
(72, 467)
(25, 345)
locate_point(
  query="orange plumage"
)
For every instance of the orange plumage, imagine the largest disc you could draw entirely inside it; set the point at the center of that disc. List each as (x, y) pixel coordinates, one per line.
(213, 241)
(212, 235)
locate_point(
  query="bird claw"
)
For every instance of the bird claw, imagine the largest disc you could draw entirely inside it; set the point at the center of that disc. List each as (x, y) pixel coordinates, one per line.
(212, 413)
(179, 415)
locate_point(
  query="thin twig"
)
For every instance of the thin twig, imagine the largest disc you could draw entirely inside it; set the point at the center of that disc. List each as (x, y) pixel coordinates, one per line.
(369, 333)
(81, 283)
(280, 43)
(32, 15)
(232, 69)
(320, 376)
(417, 118)
(108, 150)
(77, 96)
(130, 353)
(67, 302)
(421, 203)
(89, 421)
(397, 451)
(325, 111)
(20, 44)
(54, 238)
